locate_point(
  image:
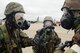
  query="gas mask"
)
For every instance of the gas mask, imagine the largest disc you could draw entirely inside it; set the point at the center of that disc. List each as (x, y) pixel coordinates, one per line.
(48, 26)
(21, 22)
(67, 19)
(48, 23)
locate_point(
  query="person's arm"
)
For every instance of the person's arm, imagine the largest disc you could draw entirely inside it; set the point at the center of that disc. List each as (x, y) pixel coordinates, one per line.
(25, 40)
(37, 37)
(2, 47)
(55, 38)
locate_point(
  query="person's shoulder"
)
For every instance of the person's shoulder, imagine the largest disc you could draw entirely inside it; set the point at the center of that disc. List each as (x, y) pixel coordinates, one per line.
(2, 26)
(3, 31)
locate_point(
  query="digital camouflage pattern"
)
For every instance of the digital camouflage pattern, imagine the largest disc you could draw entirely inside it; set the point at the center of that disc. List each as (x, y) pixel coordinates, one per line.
(48, 18)
(75, 48)
(52, 41)
(72, 4)
(13, 7)
(74, 7)
(12, 39)
(12, 43)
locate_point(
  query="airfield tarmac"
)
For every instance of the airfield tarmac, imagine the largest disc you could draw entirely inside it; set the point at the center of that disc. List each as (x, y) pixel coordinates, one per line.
(63, 34)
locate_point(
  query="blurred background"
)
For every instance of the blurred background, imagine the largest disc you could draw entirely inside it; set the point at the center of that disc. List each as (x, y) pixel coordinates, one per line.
(37, 8)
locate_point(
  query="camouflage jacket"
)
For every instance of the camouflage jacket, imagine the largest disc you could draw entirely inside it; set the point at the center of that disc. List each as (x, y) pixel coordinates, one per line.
(46, 46)
(12, 43)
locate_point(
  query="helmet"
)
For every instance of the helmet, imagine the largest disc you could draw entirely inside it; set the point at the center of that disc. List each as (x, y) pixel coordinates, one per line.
(72, 4)
(48, 18)
(13, 7)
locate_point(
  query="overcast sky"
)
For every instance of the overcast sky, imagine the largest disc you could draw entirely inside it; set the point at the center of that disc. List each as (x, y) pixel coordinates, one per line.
(35, 8)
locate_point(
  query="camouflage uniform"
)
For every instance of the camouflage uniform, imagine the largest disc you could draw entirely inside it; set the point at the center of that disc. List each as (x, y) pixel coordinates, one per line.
(75, 48)
(73, 7)
(13, 44)
(53, 41)
(11, 41)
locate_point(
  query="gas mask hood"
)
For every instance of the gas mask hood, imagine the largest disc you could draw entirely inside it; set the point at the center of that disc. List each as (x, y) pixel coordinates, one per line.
(67, 19)
(21, 22)
(48, 23)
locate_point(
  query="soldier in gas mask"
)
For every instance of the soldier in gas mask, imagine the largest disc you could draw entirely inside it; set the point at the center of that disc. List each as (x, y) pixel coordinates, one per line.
(46, 39)
(71, 20)
(12, 39)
